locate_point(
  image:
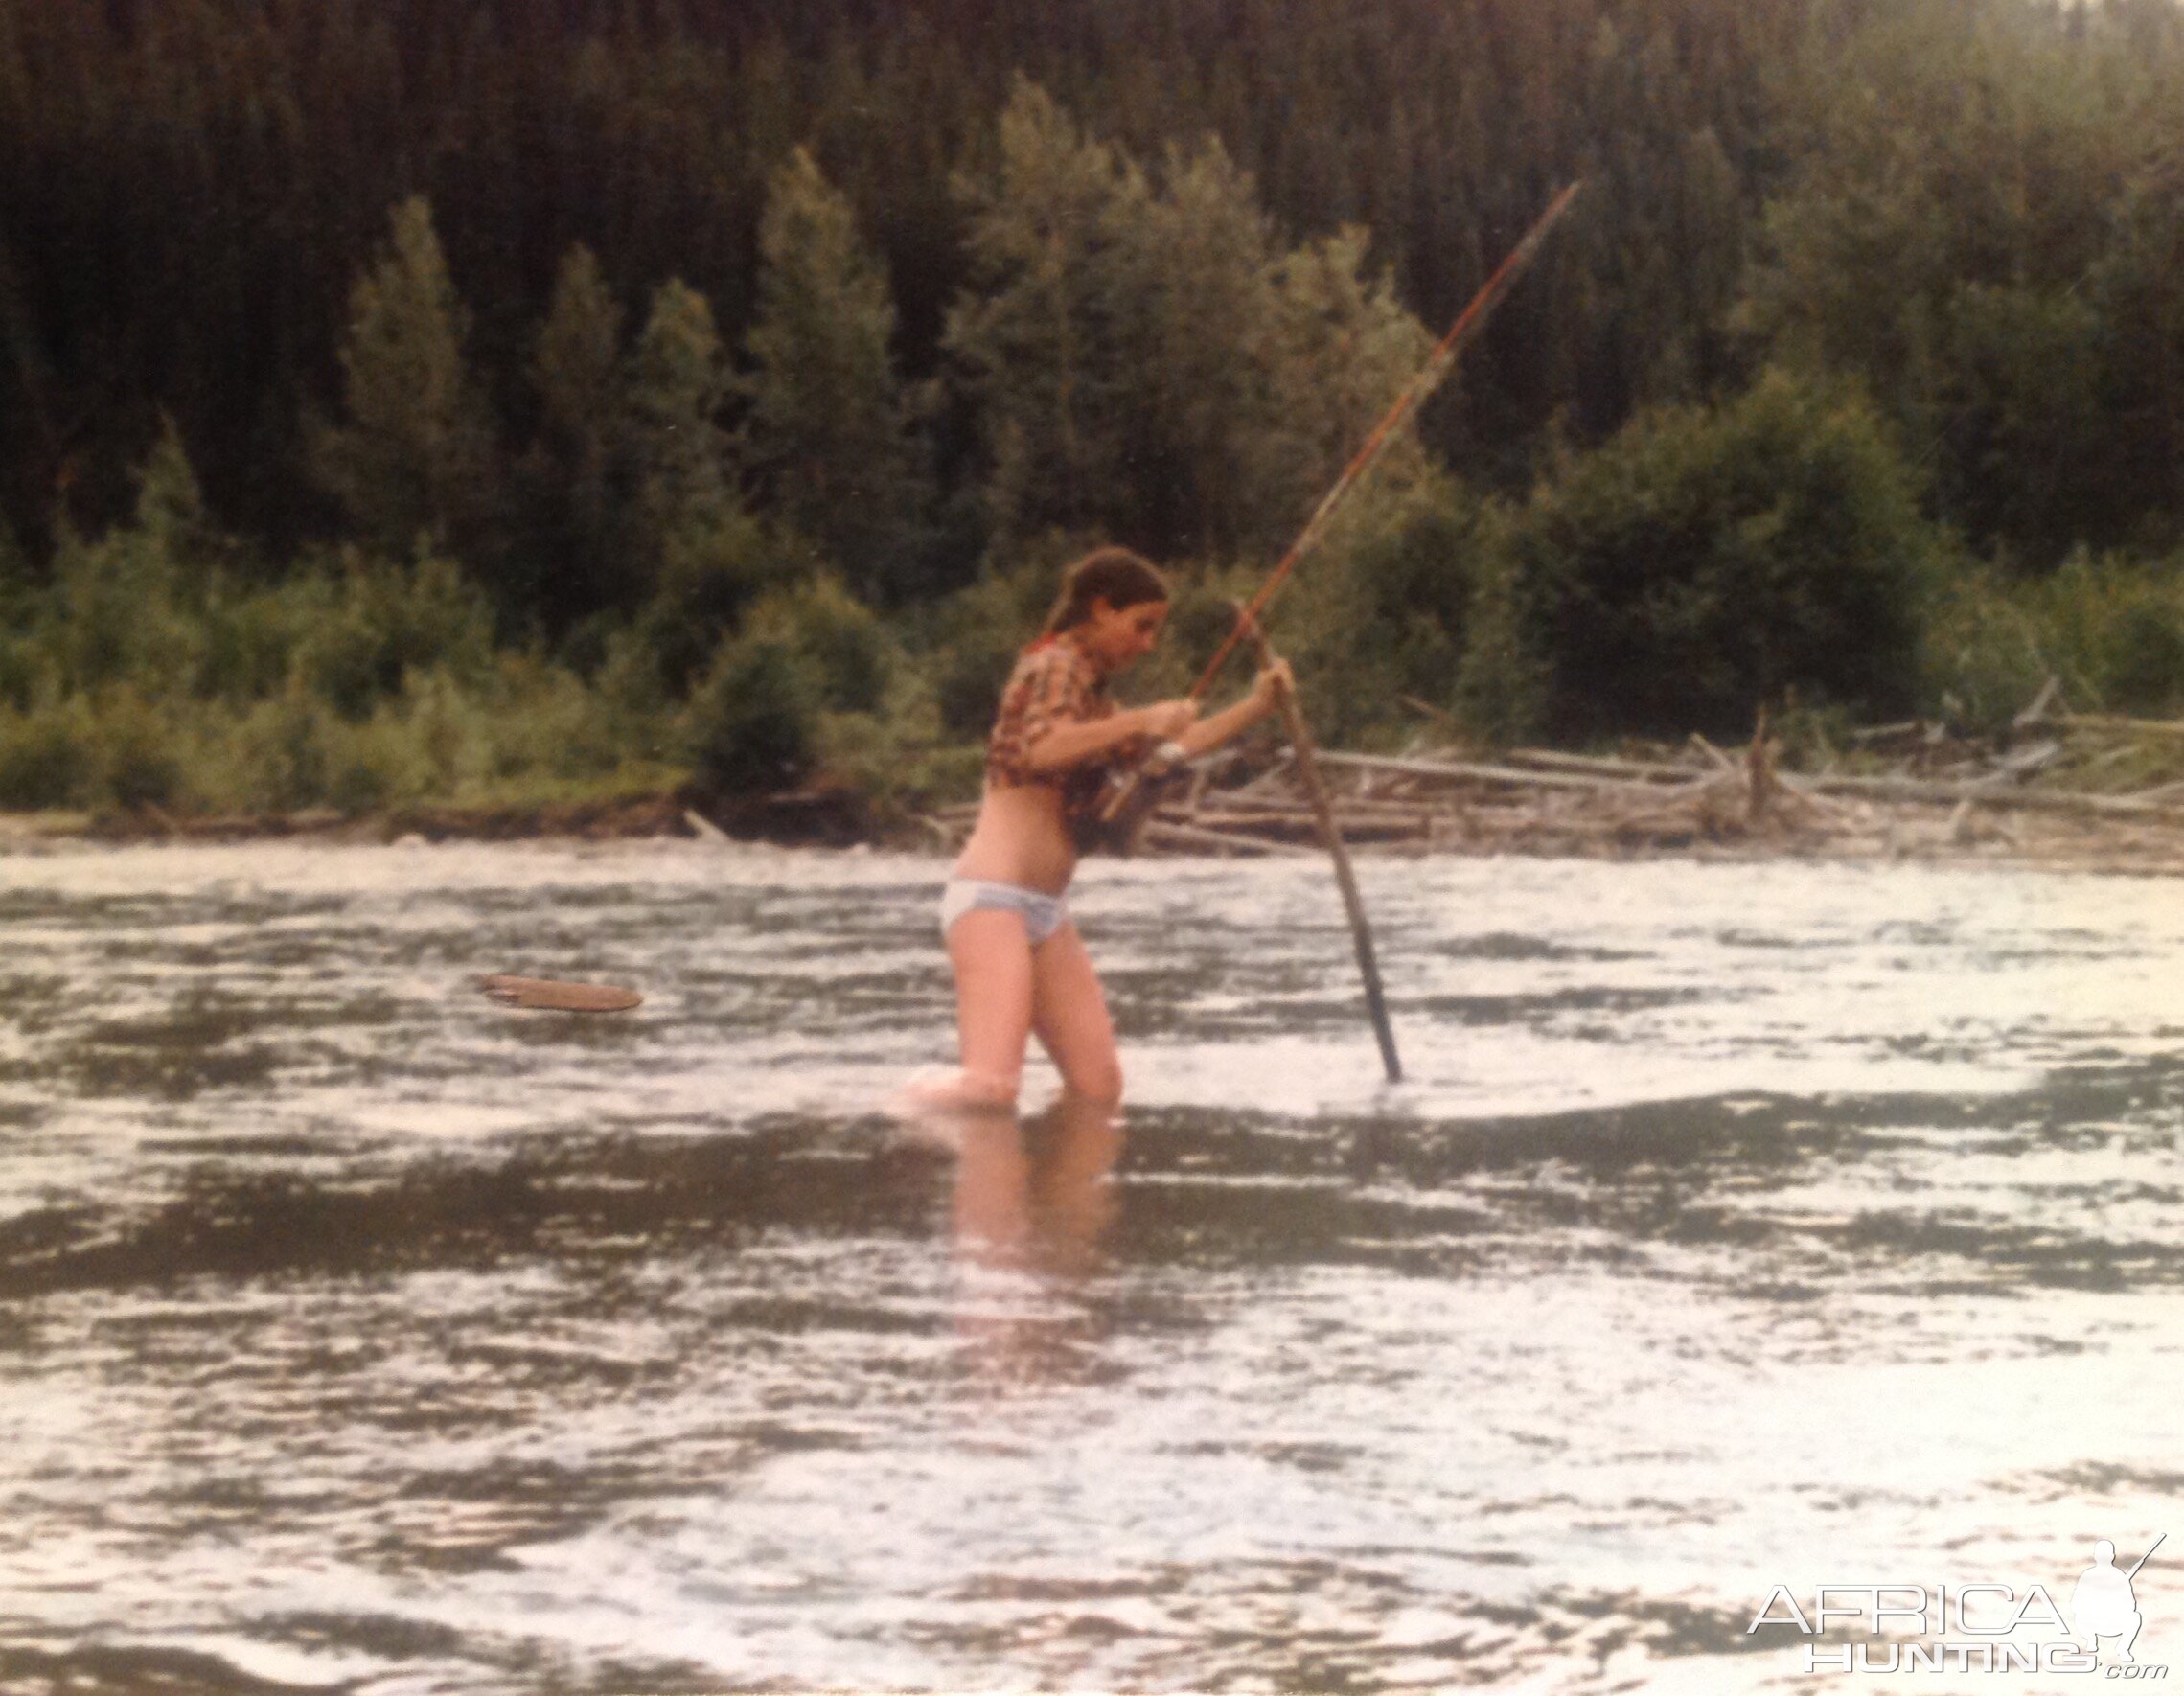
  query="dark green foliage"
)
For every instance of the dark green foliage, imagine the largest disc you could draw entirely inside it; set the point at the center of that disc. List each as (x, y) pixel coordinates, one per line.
(117, 613)
(2144, 655)
(381, 622)
(139, 763)
(170, 509)
(676, 385)
(754, 720)
(192, 188)
(413, 459)
(1980, 203)
(285, 743)
(192, 191)
(835, 637)
(1706, 563)
(47, 758)
(830, 433)
(713, 567)
(576, 477)
(979, 630)
(1145, 361)
(252, 638)
(1036, 334)
(2109, 631)
(1340, 348)
(1384, 612)
(645, 320)
(801, 655)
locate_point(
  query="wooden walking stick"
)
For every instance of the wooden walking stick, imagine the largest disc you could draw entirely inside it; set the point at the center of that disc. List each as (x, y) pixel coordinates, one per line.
(1330, 833)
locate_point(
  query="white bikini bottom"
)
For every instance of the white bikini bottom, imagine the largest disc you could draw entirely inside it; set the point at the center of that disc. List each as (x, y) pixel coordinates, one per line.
(1043, 914)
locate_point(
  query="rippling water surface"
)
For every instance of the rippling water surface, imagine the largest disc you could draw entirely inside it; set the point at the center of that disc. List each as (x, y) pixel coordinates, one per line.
(1740, 1225)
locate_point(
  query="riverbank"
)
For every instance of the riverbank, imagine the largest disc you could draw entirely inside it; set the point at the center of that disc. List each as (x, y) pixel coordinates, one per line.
(818, 816)
(2070, 793)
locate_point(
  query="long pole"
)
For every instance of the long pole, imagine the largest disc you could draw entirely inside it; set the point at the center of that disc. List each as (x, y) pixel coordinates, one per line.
(1330, 833)
(1124, 796)
(1469, 322)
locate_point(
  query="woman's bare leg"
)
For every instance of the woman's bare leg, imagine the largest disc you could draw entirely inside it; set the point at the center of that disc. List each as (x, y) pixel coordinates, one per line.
(992, 957)
(1069, 1010)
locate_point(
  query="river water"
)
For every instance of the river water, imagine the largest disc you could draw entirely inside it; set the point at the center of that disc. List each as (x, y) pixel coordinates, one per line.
(1740, 1225)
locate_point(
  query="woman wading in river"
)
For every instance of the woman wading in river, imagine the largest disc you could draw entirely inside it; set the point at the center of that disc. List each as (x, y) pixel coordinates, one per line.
(1020, 964)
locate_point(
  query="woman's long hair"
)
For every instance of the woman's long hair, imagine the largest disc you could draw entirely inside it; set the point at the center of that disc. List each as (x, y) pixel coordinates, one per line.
(1116, 576)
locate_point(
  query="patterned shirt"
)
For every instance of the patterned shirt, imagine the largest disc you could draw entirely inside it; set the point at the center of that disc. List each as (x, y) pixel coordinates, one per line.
(1054, 683)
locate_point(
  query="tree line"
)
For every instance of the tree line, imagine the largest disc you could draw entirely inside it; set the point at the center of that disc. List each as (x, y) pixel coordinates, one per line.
(740, 369)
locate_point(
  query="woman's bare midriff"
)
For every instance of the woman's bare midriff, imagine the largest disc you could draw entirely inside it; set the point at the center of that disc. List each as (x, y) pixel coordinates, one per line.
(1020, 839)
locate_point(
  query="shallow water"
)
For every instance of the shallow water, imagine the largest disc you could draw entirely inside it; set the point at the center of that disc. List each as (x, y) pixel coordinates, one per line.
(1740, 1225)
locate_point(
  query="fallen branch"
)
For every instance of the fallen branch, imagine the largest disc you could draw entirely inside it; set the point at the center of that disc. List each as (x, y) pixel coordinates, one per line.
(1161, 835)
(1547, 760)
(1991, 792)
(2109, 724)
(1468, 770)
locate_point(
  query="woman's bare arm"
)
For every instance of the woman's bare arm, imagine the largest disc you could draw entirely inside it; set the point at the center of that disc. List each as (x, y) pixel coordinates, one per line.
(1232, 721)
(1071, 745)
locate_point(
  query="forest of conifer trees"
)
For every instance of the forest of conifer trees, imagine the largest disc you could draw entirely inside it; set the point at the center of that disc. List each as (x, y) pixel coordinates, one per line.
(407, 399)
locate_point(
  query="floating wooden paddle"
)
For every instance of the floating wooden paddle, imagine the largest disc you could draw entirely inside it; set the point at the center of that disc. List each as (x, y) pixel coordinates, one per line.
(558, 997)
(1331, 834)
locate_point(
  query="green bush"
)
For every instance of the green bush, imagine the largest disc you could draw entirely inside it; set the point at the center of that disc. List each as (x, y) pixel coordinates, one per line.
(384, 621)
(1704, 561)
(526, 730)
(834, 636)
(968, 642)
(380, 762)
(354, 683)
(1382, 610)
(712, 568)
(898, 756)
(2144, 653)
(281, 754)
(252, 637)
(26, 675)
(754, 720)
(140, 760)
(982, 632)
(892, 764)
(1502, 680)
(26, 666)
(2109, 631)
(114, 616)
(47, 758)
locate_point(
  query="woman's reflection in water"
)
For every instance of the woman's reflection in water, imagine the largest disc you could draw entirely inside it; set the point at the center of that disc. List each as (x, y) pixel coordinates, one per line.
(1033, 1196)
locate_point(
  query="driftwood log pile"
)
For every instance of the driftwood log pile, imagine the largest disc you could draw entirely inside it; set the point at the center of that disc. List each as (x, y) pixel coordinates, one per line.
(2063, 790)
